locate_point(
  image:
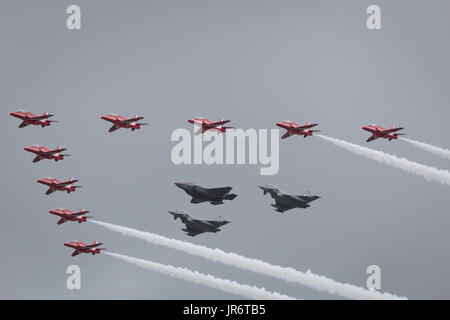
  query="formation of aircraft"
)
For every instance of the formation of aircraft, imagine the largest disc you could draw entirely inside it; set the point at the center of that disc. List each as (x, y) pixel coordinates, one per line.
(81, 247)
(199, 194)
(215, 196)
(56, 185)
(67, 215)
(121, 122)
(206, 124)
(196, 226)
(30, 118)
(378, 131)
(284, 201)
(44, 153)
(293, 128)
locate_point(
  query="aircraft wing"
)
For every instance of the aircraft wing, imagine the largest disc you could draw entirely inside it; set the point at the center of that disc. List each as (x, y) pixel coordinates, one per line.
(215, 224)
(113, 128)
(94, 245)
(23, 124)
(44, 116)
(220, 191)
(130, 120)
(50, 190)
(286, 135)
(75, 253)
(281, 207)
(197, 200)
(192, 232)
(372, 137)
(215, 124)
(76, 214)
(308, 126)
(52, 152)
(63, 184)
(390, 130)
(37, 159)
(61, 221)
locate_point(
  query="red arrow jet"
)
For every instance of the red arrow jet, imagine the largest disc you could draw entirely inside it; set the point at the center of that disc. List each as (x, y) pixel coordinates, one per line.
(56, 185)
(81, 247)
(122, 122)
(30, 118)
(206, 124)
(44, 153)
(293, 128)
(380, 132)
(67, 215)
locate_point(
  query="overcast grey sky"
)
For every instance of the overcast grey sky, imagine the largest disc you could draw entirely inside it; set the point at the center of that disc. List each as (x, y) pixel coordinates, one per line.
(254, 62)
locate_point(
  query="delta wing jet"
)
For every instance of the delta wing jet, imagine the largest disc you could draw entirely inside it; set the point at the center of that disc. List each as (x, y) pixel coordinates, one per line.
(284, 201)
(199, 194)
(196, 226)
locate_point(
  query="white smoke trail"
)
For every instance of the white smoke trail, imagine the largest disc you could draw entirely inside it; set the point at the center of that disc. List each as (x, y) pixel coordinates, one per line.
(288, 274)
(205, 279)
(430, 148)
(429, 173)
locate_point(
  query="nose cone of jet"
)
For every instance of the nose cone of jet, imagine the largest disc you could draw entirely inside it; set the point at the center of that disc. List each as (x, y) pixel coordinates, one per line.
(365, 128)
(104, 117)
(67, 244)
(41, 181)
(181, 185)
(191, 121)
(14, 114)
(279, 124)
(263, 188)
(28, 149)
(226, 222)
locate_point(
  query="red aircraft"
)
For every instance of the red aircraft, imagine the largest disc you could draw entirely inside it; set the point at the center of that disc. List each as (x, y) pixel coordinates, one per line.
(206, 124)
(380, 132)
(56, 185)
(67, 215)
(122, 122)
(81, 247)
(30, 118)
(44, 153)
(293, 128)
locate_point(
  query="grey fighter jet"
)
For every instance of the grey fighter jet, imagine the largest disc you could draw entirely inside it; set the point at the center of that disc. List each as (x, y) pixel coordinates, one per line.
(284, 201)
(199, 194)
(196, 226)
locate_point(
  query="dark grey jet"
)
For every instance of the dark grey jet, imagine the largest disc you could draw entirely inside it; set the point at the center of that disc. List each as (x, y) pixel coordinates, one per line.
(196, 226)
(284, 201)
(213, 195)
